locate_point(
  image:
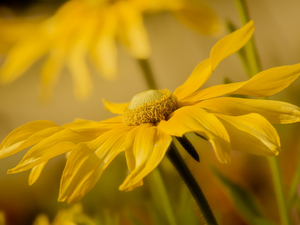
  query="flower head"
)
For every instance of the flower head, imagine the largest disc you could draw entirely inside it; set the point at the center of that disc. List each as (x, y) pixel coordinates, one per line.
(82, 28)
(146, 125)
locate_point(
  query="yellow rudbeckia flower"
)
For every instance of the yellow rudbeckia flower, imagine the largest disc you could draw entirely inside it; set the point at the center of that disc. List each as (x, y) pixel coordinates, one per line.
(145, 128)
(71, 216)
(82, 28)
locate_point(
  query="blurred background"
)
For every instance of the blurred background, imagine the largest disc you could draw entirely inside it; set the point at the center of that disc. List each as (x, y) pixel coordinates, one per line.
(175, 50)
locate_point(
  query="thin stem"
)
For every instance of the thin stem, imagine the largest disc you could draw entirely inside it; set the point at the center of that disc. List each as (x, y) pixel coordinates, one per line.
(277, 183)
(252, 58)
(178, 162)
(254, 67)
(144, 64)
(295, 185)
(159, 191)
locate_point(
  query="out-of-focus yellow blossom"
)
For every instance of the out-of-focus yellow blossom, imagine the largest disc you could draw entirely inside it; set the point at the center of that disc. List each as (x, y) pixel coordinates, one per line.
(194, 14)
(12, 30)
(73, 215)
(82, 28)
(149, 121)
(41, 219)
(2, 218)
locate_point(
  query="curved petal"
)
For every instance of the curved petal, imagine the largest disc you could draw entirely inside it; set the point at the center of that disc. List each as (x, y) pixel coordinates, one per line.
(87, 162)
(59, 143)
(27, 135)
(251, 133)
(199, 17)
(224, 48)
(149, 147)
(115, 108)
(270, 82)
(195, 119)
(274, 111)
(36, 172)
(265, 83)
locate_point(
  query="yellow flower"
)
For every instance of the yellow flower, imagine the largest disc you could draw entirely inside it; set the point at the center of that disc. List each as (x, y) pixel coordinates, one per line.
(72, 215)
(82, 28)
(12, 30)
(149, 121)
(2, 218)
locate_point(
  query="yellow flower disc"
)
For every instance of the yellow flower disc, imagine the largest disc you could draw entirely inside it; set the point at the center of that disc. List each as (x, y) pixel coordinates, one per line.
(150, 107)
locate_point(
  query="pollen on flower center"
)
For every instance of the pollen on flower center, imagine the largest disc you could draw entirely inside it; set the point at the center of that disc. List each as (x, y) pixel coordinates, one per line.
(150, 107)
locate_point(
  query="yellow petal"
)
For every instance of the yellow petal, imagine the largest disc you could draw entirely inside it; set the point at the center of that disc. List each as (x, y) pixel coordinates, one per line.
(265, 83)
(104, 50)
(81, 125)
(149, 148)
(87, 162)
(80, 73)
(76, 60)
(224, 48)
(115, 108)
(251, 133)
(36, 172)
(130, 158)
(199, 17)
(24, 53)
(270, 82)
(132, 31)
(59, 143)
(50, 72)
(130, 140)
(273, 111)
(27, 135)
(34, 158)
(195, 119)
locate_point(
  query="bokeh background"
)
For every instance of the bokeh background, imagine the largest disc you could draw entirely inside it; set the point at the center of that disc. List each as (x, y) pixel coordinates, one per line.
(175, 51)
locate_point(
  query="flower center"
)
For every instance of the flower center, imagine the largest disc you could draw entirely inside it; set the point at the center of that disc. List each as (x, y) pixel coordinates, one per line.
(150, 107)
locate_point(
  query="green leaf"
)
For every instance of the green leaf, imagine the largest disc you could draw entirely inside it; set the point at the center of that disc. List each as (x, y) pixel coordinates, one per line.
(243, 200)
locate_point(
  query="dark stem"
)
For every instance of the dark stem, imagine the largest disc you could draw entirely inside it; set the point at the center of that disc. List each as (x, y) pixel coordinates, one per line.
(178, 162)
(144, 64)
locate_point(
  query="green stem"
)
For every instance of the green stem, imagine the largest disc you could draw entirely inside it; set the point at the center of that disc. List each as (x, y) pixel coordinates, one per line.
(144, 64)
(295, 185)
(275, 171)
(178, 162)
(250, 48)
(159, 192)
(254, 68)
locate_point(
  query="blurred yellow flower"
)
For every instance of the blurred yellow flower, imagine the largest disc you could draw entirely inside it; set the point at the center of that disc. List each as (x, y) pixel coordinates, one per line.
(2, 218)
(149, 121)
(73, 215)
(12, 30)
(82, 28)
